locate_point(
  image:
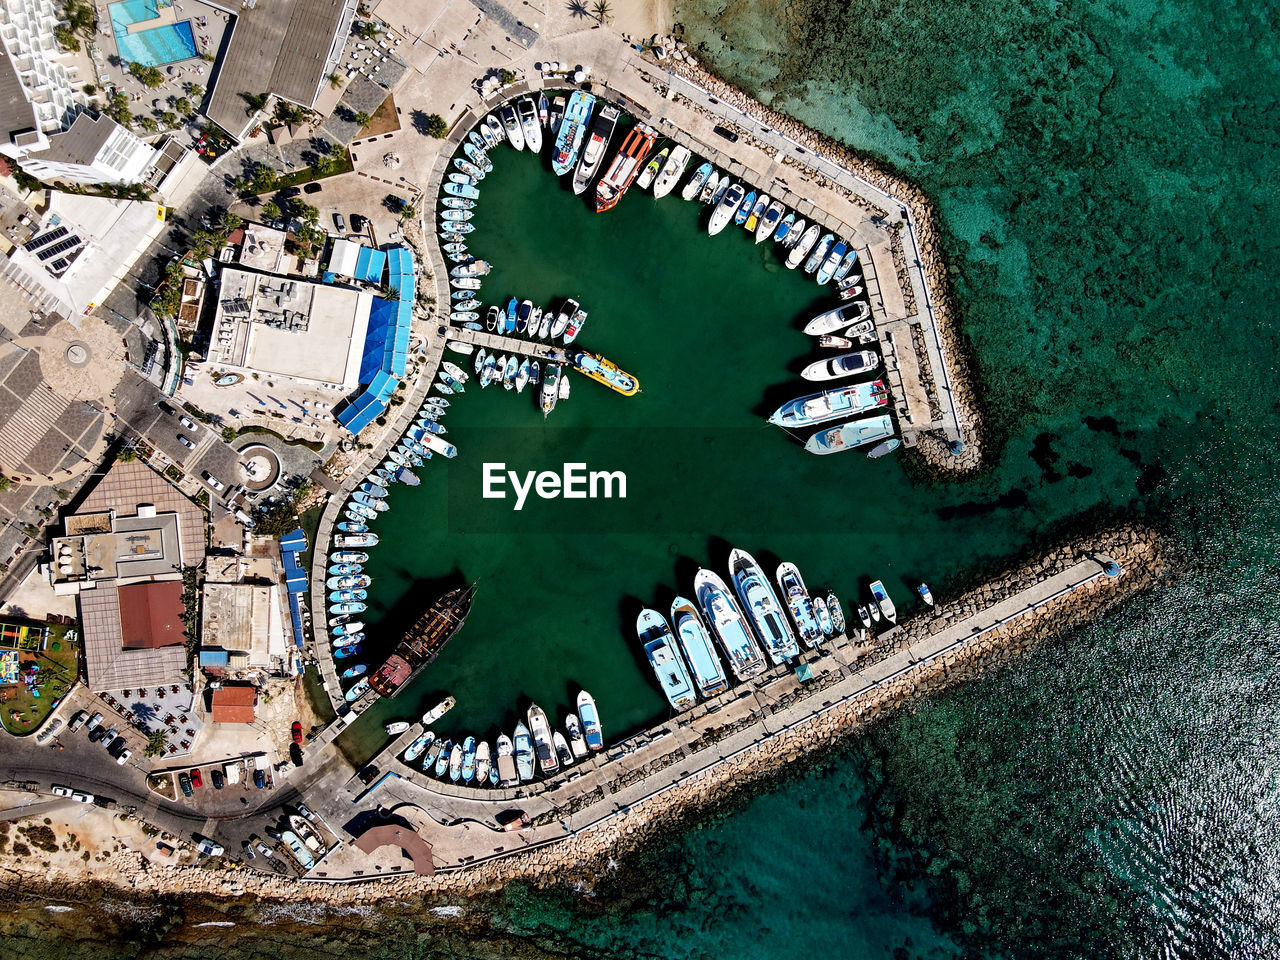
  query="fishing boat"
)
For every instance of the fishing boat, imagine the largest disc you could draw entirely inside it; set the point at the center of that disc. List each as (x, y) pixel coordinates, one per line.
(796, 596)
(341, 641)
(575, 325)
(847, 436)
(845, 365)
(607, 372)
(509, 371)
(377, 504)
(837, 317)
(442, 759)
(697, 181)
(457, 203)
(824, 618)
(356, 692)
(462, 179)
(468, 168)
(522, 375)
(784, 229)
(419, 747)
(624, 168)
(512, 317)
(925, 594)
(455, 762)
(352, 672)
(884, 448)
(469, 747)
(370, 489)
(353, 526)
(472, 268)
(757, 212)
(577, 742)
(424, 640)
(296, 847)
(348, 596)
(346, 608)
(440, 445)
(464, 190)
(456, 215)
(672, 171)
(832, 262)
(660, 647)
(846, 265)
(355, 538)
(433, 755)
(345, 651)
(769, 221)
(849, 293)
(544, 108)
(357, 582)
(700, 653)
(483, 137)
(478, 364)
(550, 389)
(524, 753)
(395, 728)
(438, 711)
(541, 730)
(349, 556)
(452, 228)
(511, 124)
(883, 603)
(651, 169)
(573, 129)
(348, 629)
(601, 132)
(803, 246)
(725, 209)
(561, 746)
(729, 625)
(864, 616)
(495, 128)
(483, 763)
(345, 569)
(505, 768)
(360, 511)
(535, 373)
(591, 728)
(761, 604)
(795, 234)
(744, 209)
(833, 404)
(478, 157)
(529, 125)
(819, 253)
(408, 477)
(455, 371)
(556, 114)
(488, 371)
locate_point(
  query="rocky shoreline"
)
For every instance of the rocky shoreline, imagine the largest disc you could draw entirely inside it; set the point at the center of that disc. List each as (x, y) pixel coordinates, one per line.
(924, 216)
(592, 854)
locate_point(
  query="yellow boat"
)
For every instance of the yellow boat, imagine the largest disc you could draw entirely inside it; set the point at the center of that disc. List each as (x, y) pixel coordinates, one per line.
(607, 372)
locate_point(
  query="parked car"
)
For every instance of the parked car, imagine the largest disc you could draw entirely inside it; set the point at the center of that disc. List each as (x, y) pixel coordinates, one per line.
(197, 781)
(264, 850)
(209, 848)
(125, 756)
(214, 482)
(109, 738)
(184, 782)
(368, 774)
(340, 222)
(185, 442)
(187, 422)
(63, 791)
(297, 732)
(77, 721)
(247, 847)
(215, 777)
(358, 222)
(95, 721)
(729, 135)
(312, 188)
(259, 779)
(96, 735)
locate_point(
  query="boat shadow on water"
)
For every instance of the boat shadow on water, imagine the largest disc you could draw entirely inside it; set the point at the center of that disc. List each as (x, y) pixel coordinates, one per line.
(421, 593)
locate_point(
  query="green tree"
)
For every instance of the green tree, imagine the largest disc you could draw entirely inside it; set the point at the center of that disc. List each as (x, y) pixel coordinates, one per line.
(156, 744)
(149, 124)
(182, 105)
(335, 80)
(602, 10)
(407, 210)
(271, 210)
(324, 165)
(66, 38)
(5, 483)
(506, 78)
(90, 89)
(147, 76)
(255, 101)
(227, 222)
(170, 119)
(228, 434)
(362, 119)
(436, 126)
(195, 91)
(388, 292)
(263, 178)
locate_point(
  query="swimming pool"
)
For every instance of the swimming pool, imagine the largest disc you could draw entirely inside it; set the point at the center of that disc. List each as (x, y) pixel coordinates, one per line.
(154, 47)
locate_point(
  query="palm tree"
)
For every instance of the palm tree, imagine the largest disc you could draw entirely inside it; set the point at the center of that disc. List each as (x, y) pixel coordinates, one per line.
(602, 10)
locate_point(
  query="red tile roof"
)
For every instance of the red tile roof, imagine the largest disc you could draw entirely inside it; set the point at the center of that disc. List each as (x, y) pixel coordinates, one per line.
(151, 615)
(234, 704)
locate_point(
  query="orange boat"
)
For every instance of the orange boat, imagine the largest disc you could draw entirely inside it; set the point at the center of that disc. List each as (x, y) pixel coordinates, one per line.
(625, 167)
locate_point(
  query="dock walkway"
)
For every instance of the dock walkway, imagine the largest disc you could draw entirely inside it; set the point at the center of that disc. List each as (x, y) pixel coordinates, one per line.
(495, 343)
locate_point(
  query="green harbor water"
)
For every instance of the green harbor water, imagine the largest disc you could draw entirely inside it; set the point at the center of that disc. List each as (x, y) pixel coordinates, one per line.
(1106, 176)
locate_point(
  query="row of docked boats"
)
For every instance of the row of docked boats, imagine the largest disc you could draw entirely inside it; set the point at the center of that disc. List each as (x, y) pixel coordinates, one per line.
(550, 385)
(521, 318)
(749, 625)
(533, 748)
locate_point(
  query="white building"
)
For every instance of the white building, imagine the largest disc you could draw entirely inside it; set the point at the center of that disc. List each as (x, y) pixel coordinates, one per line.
(93, 150)
(39, 92)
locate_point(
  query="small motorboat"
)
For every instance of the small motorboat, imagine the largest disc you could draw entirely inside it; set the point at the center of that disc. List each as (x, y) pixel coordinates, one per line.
(886, 606)
(396, 728)
(522, 376)
(455, 762)
(824, 616)
(884, 448)
(492, 318)
(469, 747)
(478, 363)
(864, 616)
(562, 749)
(356, 692)
(349, 650)
(925, 595)
(850, 292)
(442, 762)
(577, 742)
(352, 672)
(483, 762)
(419, 746)
(438, 711)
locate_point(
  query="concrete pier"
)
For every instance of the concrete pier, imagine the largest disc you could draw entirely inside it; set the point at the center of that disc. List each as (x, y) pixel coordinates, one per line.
(495, 343)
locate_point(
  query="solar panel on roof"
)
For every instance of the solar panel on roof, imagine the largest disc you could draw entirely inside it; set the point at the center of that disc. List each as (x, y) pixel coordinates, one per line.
(47, 237)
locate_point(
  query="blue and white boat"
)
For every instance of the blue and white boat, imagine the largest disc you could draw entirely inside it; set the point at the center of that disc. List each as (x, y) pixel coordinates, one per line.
(350, 650)
(831, 263)
(744, 209)
(886, 606)
(348, 596)
(372, 489)
(348, 629)
(419, 747)
(660, 648)
(761, 604)
(819, 253)
(345, 569)
(729, 625)
(352, 672)
(376, 504)
(847, 436)
(784, 228)
(524, 752)
(846, 265)
(725, 209)
(347, 607)
(353, 526)
(359, 582)
(770, 221)
(358, 691)
(442, 760)
(573, 128)
(468, 759)
(833, 404)
(591, 729)
(455, 763)
(796, 596)
(699, 651)
(478, 157)
(348, 556)
(697, 181)
(464, 190)
(513, 308)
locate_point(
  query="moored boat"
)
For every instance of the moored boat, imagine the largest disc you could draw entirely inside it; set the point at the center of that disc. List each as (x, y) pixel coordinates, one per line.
(761, 604)
(577, 742)
(883, 603)
(419, 746)
(845, 365)
(849, 435)
(511, 124)
(591, 728)
(505, 768)
(601, 132)
(757, 211)
(455, 762)
(561, 745)
(624, 168)
(395, 728)
(541, 730)
(354, 671)
(573, 129)
(442, 759)
(729, 625)
(819, 253)
(725, 209)
(830, 264)
(836, 318)
(834, 404)
(345, 651)
(769, 221)
(358, 691)
(659, 646)
(468, 771)
(796, 596)
(524, 752)
(699, 651)
(527, 111)
(651, 169)
(803, 245)
(783, 229)
(884, 448)
(672, 171)
(697, 181)
(711, 191)
(438, 711)
(925, 594)
(550, 389)
(606, 372)
(824, 618)
(483, 763)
